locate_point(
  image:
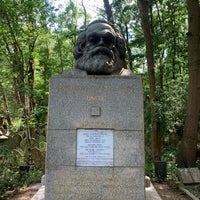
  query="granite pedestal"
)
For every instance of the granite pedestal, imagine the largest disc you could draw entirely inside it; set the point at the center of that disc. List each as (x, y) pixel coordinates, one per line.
(95, 140)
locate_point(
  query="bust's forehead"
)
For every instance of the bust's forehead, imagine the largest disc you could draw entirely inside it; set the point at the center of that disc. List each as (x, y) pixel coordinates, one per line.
(100, 27)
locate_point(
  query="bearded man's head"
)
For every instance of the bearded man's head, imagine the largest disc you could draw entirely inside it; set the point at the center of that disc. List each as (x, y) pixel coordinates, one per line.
(100, 49)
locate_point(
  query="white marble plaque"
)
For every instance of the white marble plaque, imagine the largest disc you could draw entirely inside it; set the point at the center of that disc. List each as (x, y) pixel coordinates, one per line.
(94, 147)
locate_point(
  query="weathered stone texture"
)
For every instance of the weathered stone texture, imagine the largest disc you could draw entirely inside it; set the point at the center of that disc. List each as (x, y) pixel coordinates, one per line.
(95, 103)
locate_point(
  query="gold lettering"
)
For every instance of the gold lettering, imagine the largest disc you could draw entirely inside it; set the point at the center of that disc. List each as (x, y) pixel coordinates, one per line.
(95, 98)
(87, 124)
(116, 186)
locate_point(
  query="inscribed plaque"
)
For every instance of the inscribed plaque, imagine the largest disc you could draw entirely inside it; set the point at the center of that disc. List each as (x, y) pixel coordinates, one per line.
(94, 147)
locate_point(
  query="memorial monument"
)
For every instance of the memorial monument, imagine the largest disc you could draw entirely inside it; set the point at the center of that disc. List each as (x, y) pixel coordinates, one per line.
(95, 145)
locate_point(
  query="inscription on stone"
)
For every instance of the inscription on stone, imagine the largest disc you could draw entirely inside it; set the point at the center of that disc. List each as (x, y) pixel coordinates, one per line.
(88, 184)
(94, 147)
(95, 98)
(86, 124)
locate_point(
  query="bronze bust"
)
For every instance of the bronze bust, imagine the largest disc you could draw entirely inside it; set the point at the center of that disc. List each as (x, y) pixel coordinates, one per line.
(101, 50)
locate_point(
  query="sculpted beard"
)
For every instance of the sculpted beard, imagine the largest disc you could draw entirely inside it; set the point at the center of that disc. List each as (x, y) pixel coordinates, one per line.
(100, 60)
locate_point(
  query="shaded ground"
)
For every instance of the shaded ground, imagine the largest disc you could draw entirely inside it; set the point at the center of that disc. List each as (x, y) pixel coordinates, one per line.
(24, 193)
(170, 191)
(167, 191)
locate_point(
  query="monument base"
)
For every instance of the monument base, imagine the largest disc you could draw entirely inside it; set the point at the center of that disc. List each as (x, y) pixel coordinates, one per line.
(150, 192)
(95, 183)
(95, 146)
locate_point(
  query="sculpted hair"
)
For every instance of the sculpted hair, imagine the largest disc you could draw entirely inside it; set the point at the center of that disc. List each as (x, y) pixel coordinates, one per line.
(81, 41)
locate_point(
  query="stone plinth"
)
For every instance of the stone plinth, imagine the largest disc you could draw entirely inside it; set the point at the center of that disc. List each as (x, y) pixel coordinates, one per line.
(95, 140)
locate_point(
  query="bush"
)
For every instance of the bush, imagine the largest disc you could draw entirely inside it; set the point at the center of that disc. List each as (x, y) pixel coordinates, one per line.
(9, 173)
(12, 176)
(149, 167)
(169, 155)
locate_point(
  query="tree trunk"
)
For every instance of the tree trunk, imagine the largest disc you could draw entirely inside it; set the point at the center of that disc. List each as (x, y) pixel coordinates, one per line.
(156, 140)
(85, 14)
(108, 11)
(187, 153)
(8, 118)
(130, 61)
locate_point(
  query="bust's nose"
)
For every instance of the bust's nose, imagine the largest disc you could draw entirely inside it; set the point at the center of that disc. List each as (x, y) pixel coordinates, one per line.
(101, 41)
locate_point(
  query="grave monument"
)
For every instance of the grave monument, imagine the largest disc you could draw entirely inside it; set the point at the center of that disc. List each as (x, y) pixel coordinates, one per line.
(95, 145)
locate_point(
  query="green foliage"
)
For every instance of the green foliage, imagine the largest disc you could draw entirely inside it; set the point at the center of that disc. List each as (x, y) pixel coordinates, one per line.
(37, 39)
(33, 47)
(11, 177)
(149, 167)
(171, 118)
(169, 155)
(9, 174)
(126, 16)
(31, 177)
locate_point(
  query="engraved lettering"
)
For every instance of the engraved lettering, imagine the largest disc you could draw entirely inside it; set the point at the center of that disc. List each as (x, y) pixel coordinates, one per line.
(116, 186)
(95, 98)
(86, 124)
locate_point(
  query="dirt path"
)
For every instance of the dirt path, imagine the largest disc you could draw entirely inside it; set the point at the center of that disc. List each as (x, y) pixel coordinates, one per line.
(24, 193)
(170, 191)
